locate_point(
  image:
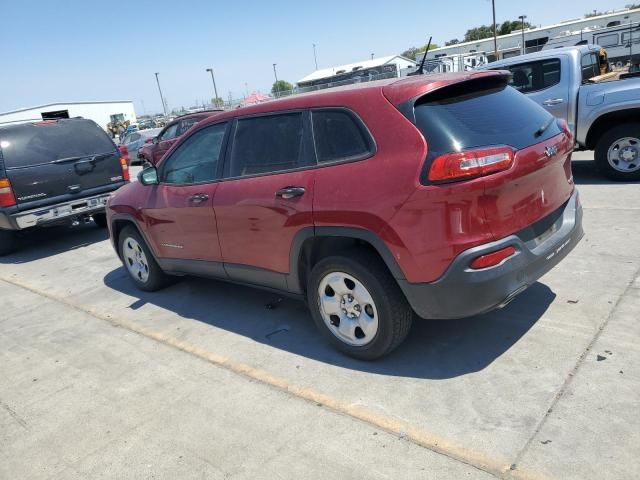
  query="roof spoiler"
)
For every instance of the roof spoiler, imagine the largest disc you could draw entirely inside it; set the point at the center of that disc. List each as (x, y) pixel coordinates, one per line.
(446, 85)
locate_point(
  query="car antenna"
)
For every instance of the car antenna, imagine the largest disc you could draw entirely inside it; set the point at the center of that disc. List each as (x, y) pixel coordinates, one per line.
(420, 71)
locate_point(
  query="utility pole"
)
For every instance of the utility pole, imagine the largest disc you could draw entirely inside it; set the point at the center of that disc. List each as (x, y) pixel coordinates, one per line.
(215, 90)
(372, 56)
(495, 33)
(275, 74)
(315, 58)
(164, 105)
(522, 17)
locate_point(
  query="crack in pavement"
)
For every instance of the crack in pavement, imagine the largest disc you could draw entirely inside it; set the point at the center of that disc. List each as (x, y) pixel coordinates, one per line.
(572, 374)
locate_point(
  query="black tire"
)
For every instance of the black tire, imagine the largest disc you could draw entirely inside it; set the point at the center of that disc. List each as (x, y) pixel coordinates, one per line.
(607, 140)
(100, 219)
(156, 278)
(7, 242)
(394, 313)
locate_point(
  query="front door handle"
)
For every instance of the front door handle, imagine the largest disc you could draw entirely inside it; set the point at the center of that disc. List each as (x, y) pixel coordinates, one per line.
(553, 101)
(199, 198)
(290, 192)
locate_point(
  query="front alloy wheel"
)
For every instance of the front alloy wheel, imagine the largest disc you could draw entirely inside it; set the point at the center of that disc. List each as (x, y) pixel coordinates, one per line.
(135, 259)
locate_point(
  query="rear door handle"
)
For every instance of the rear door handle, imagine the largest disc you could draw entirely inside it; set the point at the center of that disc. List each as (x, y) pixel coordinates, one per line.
(199, 198)
(553, 101)
(290, 192)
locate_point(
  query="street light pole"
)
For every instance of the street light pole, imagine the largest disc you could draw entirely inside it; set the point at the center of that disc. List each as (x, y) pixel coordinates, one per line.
(164, 106)
(315, 58)
(495, 33)
(215, 90)
(275, 74)
(522, 17)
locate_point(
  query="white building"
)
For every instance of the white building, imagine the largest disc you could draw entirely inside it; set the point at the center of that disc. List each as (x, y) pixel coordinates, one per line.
(99, 112)
(366, 70)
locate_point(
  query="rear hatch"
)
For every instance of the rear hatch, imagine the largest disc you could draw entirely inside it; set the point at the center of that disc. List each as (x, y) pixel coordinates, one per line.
(59, 159)
(485, 112)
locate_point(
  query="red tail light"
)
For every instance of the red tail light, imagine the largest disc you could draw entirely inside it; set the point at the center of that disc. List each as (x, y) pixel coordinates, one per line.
(124, 163)
(7, 199)
(492, 259)
(471, 163)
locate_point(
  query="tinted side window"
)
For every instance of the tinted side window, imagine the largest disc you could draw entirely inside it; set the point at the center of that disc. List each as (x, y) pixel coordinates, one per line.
(534, 76)
(170, 132)
(196, 160)
(267, 144)
(338, 136)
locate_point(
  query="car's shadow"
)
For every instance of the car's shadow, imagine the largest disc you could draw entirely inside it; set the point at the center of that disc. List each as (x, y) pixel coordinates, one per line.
(434, 349)
(585, 172)
(47, 242)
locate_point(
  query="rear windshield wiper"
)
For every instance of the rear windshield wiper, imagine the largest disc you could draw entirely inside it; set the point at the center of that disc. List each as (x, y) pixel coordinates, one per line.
(73, 159)
(544, 127)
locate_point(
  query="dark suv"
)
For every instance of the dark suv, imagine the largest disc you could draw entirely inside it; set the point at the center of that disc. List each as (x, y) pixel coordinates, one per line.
(443, 195)
(53, 172)
(154, 148)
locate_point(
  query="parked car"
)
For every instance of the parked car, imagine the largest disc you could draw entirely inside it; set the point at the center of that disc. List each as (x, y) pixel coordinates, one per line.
(154, 148)
(444, 195)
(136, 140)
(53, 172)
(602, 115)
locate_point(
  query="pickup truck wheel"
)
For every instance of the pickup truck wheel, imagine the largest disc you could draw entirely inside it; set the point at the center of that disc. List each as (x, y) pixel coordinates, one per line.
(7, 242)
(139, 262)
(358, 305)
(100, 219)
(617, 152)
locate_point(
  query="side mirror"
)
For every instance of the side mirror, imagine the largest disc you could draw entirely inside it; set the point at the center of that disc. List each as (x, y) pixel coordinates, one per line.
(148, 176)
(155, 140)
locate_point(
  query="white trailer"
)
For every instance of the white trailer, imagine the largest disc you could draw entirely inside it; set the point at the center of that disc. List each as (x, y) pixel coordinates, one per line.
(99, 112)
(617, 31)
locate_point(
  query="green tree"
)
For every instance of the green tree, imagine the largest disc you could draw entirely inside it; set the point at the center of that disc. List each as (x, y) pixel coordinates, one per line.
(413, 52)
(478, 33)
(281, 88)
(512, 26)
(217, 102)
(454, 41)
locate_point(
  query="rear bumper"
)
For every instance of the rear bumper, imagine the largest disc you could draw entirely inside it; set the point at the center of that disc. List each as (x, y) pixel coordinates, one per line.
(464, 292)
(51, 214)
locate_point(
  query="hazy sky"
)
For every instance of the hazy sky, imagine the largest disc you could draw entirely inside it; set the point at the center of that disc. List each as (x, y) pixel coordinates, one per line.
(72, 50)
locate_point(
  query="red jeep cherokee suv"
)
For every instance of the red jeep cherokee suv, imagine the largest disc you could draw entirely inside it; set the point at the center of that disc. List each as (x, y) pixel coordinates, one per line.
(443, 195)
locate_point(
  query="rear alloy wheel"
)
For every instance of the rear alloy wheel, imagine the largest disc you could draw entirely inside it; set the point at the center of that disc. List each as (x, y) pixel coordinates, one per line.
(357, 303)
(618, 153)
(7, 242)
(139, 262)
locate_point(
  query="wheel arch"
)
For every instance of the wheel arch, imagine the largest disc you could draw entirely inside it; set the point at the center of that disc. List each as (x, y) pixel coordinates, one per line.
(608, 121)
(118, 223)
(313, 243)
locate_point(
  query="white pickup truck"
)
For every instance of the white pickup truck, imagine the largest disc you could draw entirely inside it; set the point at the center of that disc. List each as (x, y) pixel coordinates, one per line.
(603, 115)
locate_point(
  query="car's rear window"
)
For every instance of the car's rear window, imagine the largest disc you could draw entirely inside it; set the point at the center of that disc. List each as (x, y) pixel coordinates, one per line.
(480, 113)
(32, 144)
